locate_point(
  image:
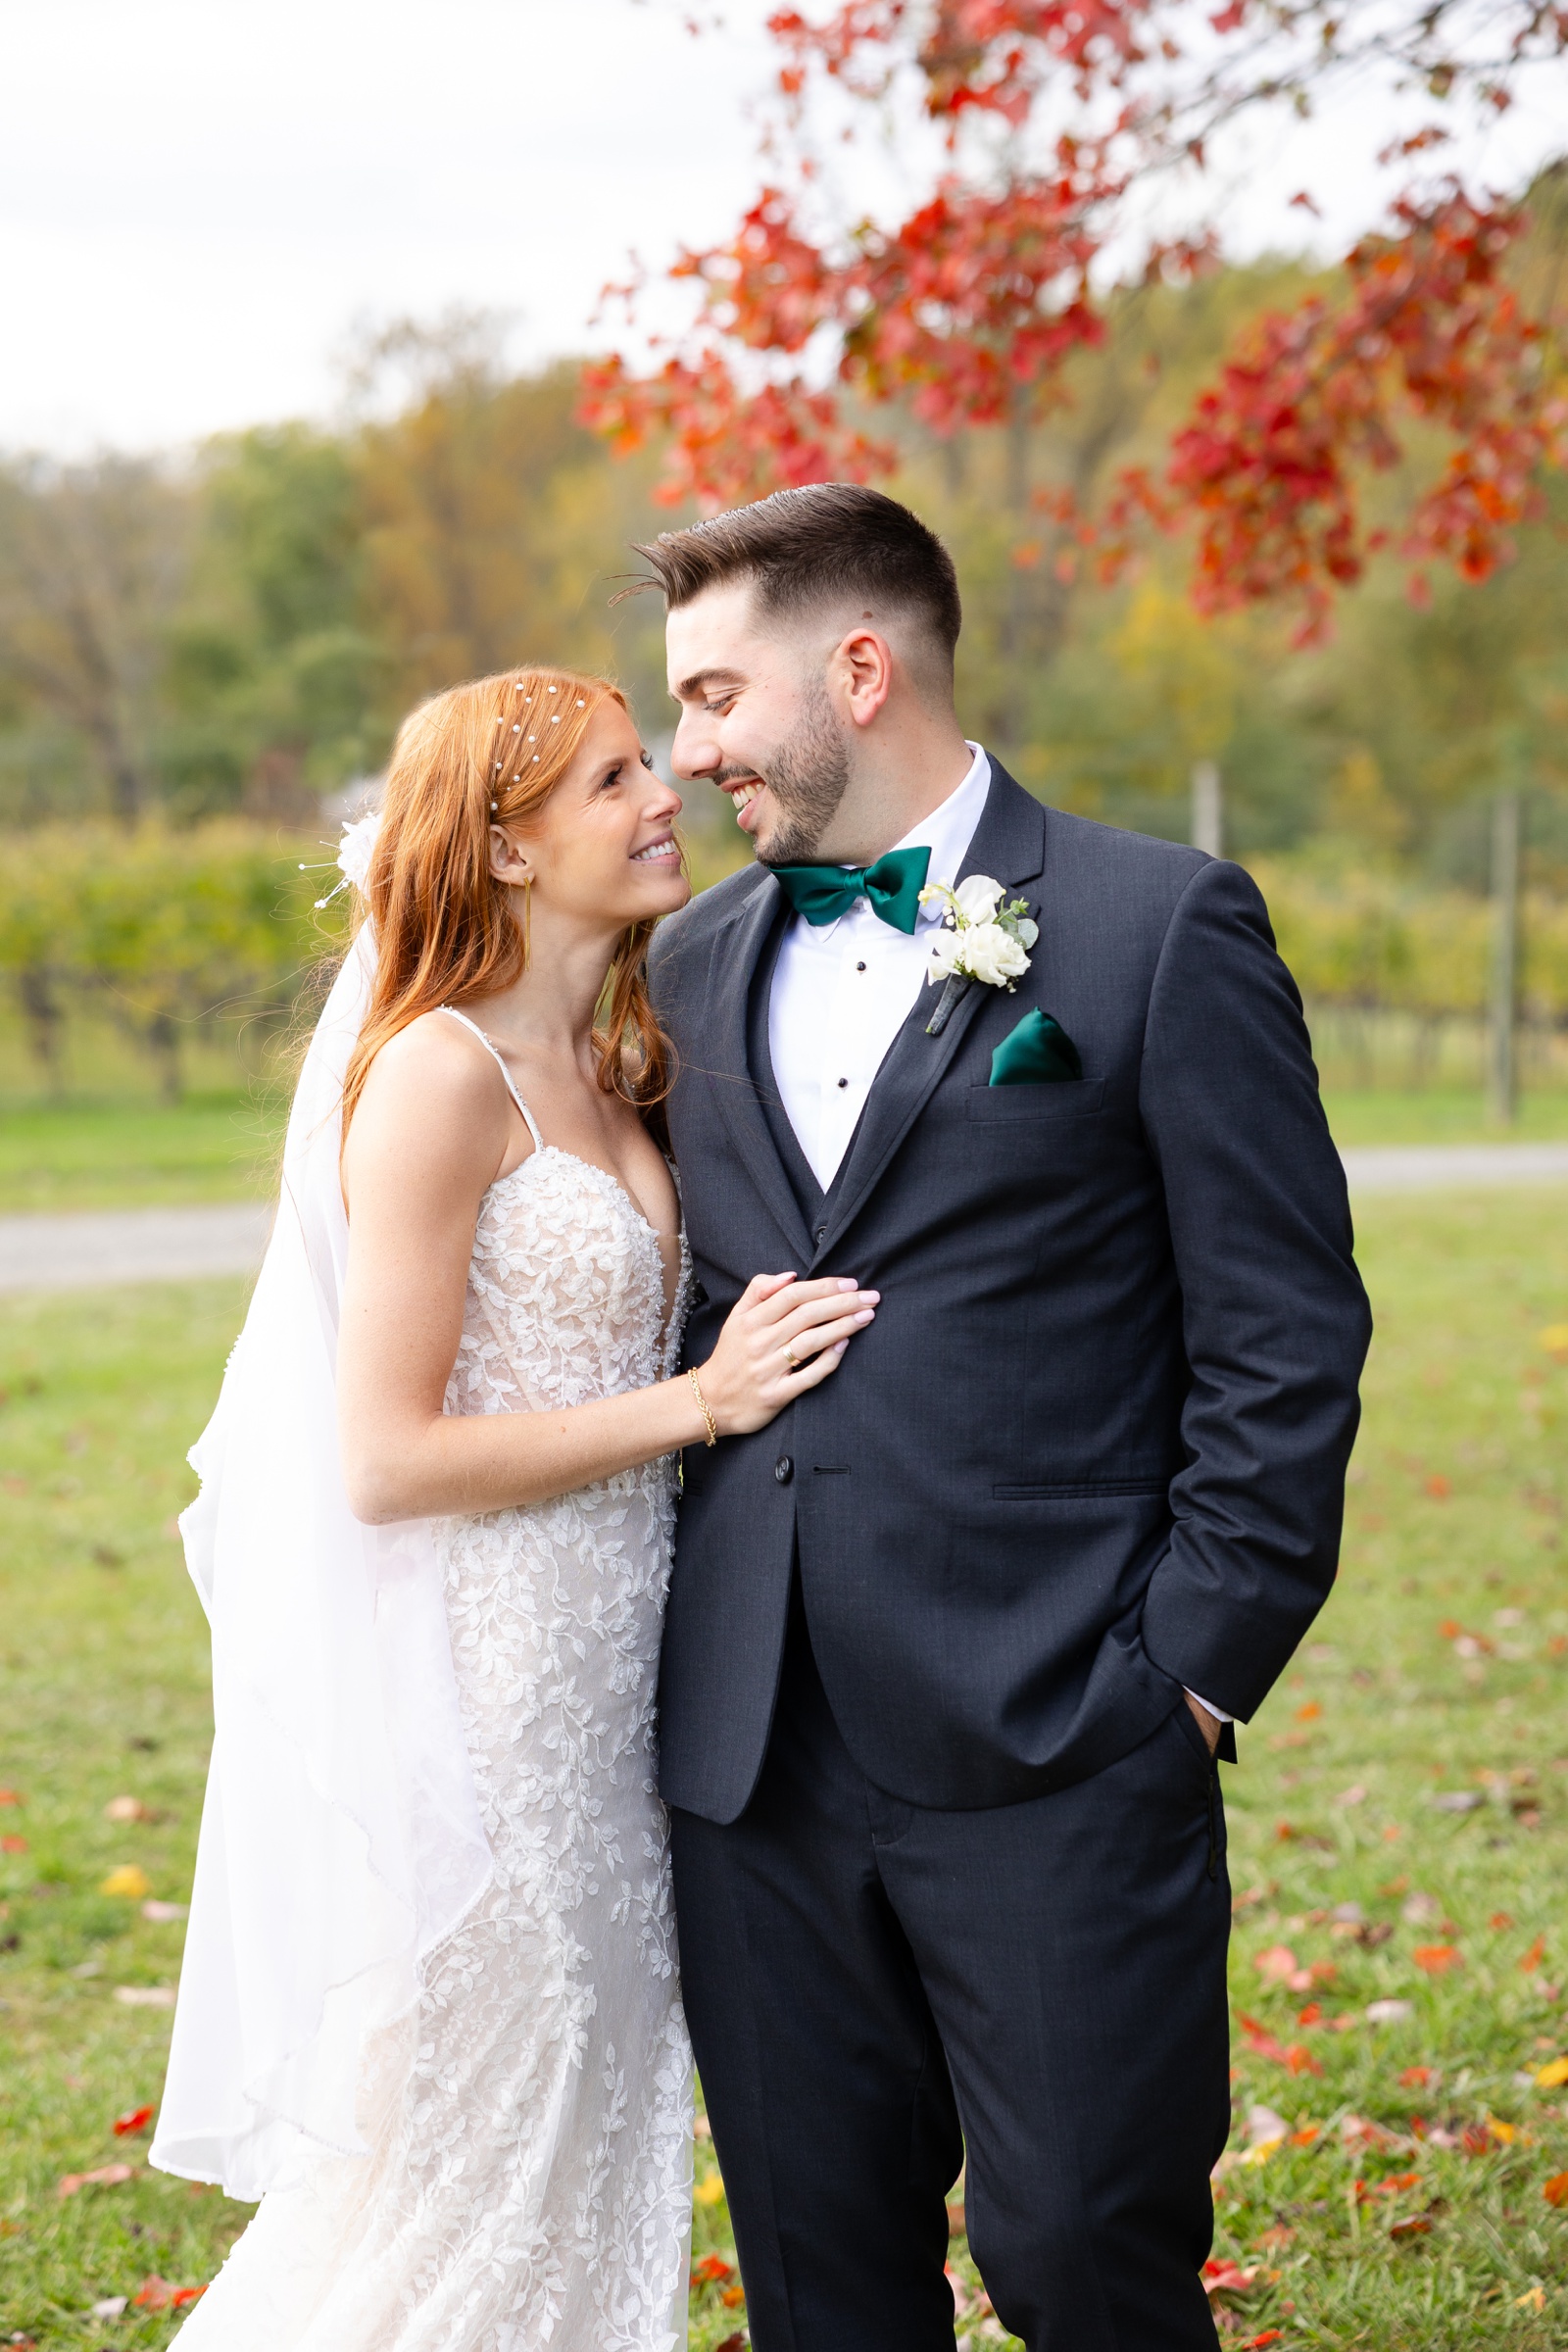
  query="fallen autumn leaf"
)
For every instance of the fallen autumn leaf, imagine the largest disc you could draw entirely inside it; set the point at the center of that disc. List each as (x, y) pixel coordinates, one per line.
(108, 2176)
(127, 1879)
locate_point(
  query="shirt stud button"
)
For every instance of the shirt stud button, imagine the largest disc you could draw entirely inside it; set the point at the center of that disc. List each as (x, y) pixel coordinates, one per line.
(859, 967)
(844, 1082)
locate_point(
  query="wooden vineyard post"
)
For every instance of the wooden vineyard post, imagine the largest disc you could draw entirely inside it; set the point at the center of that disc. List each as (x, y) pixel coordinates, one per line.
(1503, 1048)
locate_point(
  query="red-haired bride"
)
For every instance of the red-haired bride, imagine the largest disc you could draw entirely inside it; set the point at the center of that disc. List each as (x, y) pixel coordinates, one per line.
(429, 2011)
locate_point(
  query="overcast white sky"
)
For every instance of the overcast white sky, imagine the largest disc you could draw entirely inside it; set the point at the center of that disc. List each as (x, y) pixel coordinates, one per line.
(200, 198)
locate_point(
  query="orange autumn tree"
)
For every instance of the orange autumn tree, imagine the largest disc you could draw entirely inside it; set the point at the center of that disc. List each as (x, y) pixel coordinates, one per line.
(1058, 122)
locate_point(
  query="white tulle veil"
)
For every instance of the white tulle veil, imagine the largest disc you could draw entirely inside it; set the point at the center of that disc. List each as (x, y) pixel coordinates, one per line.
(341, 1836)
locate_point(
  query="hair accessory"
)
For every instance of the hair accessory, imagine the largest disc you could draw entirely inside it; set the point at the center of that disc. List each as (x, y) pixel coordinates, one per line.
(535, 761)
(703, 1408)
(581, 705)
(356, 848)
(555, 719)
(518, 729)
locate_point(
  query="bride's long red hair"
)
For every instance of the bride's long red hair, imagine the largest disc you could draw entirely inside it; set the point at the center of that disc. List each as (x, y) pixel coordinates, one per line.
(485, 754)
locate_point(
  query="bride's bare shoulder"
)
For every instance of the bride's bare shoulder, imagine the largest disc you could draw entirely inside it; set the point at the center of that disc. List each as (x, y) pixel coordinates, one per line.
(434, 1091)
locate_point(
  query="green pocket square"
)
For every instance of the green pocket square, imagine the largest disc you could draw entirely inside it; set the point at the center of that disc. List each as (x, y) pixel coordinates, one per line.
(1036, 1052)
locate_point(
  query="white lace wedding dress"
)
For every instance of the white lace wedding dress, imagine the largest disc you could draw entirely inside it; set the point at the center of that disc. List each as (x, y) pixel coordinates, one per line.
(529, 2122)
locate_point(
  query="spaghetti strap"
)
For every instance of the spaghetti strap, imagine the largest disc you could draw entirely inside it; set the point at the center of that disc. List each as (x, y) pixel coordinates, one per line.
(494, 1050)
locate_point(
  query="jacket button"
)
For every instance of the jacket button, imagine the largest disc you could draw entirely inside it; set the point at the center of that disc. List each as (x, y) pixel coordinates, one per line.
(784, 1469)
(820, 1234)
(699, 1295)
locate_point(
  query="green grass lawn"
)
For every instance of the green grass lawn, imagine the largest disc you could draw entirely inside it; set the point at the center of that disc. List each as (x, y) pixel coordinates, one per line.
(137, 1155)
(1440, 1115)
(1405, 2204)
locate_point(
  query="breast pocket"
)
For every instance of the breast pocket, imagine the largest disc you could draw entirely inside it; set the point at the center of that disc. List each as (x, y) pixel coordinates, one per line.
(1013, 1105)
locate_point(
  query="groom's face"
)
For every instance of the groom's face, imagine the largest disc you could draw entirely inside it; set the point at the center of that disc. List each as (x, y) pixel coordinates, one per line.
(758, 720)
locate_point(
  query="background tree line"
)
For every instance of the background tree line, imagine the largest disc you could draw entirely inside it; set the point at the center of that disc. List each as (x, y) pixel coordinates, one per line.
(230, 637)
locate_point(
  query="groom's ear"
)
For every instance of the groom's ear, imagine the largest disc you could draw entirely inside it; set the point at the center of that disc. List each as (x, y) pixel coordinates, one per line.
(860, 668)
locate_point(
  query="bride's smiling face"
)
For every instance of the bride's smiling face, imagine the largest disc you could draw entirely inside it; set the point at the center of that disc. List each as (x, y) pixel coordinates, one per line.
(603, 849)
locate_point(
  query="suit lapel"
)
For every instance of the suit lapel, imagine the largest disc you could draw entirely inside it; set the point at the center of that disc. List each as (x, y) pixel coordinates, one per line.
(1010, 844)
(736, 952)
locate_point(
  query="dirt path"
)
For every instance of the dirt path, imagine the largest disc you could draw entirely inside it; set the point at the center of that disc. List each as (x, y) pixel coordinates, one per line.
(180, 1245)
(134, 1245)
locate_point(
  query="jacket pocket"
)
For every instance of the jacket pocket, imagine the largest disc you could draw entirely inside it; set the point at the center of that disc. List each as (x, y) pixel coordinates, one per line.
(1049, 1099)
(1082, 1490)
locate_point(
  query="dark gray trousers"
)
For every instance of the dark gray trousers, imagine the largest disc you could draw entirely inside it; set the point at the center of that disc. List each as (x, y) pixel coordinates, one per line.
(877, 1992)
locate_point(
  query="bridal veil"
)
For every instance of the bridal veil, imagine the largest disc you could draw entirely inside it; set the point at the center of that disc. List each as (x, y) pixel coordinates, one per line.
(341, 1838)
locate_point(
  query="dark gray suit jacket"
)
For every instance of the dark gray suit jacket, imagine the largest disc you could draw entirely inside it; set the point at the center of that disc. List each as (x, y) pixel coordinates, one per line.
(1093, 1449)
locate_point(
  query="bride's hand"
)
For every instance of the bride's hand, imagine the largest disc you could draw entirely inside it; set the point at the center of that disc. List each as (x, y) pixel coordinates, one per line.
(750, 1376)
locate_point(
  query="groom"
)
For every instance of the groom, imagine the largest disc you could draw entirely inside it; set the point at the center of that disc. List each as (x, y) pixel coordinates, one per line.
(953, 1644)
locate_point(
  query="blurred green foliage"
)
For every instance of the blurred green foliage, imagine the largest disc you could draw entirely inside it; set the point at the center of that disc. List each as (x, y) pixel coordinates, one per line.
(208, 650)
(240, 632)
(170, 933)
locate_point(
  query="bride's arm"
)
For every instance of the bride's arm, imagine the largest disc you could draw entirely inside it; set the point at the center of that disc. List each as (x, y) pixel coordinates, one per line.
(430, 1133)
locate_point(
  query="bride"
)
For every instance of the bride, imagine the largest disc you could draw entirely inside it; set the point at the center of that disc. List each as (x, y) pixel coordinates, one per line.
(429, 2012)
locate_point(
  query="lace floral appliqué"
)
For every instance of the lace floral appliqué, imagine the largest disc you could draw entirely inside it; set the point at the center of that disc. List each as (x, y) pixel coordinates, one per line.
(530, 2177)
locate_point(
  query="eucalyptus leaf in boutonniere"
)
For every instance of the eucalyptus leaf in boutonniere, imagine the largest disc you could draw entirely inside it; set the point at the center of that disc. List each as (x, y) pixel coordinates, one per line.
(981, 939)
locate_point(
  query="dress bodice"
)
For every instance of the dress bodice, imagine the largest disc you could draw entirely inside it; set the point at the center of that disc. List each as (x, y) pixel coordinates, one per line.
(565, 1295)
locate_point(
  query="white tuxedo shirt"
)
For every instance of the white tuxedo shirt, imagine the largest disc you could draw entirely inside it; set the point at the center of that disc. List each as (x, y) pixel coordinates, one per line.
(842, 991)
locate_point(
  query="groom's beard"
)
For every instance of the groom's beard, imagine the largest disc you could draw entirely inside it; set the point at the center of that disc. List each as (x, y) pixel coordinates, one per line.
(807, 778)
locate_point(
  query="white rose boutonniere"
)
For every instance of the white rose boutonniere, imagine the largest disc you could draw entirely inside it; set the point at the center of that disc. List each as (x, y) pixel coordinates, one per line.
(982, 939)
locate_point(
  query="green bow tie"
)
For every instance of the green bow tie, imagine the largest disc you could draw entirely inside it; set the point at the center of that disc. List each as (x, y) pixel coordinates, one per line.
(890, 887)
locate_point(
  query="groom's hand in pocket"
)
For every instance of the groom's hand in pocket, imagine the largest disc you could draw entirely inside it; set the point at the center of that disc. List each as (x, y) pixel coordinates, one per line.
(1209, 1725)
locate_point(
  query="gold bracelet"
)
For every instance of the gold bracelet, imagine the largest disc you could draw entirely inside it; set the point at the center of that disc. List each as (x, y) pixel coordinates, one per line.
(704, 1408)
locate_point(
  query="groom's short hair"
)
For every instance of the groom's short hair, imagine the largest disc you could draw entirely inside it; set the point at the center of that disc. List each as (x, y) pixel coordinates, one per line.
(827, 544)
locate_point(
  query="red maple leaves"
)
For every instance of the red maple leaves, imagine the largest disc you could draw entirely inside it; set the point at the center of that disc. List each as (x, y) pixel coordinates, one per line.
(980, 56)
(970, 309)
(1268, 460)
(976, 302)
(726, 445)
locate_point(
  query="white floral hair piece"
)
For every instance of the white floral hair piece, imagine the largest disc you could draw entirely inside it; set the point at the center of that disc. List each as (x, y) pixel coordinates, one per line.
(358, 848)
